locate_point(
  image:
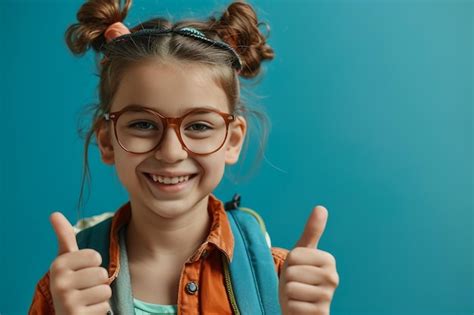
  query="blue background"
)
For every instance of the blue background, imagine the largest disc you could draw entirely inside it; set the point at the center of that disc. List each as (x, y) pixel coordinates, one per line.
(371, 105)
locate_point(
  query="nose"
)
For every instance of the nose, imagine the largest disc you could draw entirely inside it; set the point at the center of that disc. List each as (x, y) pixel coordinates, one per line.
(170, 149)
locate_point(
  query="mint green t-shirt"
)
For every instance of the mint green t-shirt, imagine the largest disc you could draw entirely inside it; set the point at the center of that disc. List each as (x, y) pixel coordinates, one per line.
(144, 308)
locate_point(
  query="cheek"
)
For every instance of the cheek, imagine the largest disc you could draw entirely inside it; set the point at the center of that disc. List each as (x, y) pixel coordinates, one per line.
(213, 166)
(125, 166)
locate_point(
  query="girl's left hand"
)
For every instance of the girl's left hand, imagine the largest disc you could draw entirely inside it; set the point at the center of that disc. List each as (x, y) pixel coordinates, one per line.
(309, 277)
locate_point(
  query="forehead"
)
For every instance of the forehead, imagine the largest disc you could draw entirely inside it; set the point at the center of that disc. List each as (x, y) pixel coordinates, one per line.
(171, 88)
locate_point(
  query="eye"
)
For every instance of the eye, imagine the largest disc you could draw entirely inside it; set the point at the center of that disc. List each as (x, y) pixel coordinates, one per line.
(142, 125)
(199, 127)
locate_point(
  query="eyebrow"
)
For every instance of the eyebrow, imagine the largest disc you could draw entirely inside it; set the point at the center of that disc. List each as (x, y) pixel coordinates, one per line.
(182, 112)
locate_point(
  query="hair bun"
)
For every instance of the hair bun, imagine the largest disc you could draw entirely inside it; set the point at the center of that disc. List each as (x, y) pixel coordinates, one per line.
(94, 17)
(239, 27)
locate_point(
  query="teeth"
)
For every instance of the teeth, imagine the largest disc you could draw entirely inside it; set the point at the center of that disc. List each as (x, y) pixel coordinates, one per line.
(169, 180)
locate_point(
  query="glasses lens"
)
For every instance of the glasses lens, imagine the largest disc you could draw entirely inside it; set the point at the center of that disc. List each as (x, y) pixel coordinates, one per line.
(139, 131)
(203, 131)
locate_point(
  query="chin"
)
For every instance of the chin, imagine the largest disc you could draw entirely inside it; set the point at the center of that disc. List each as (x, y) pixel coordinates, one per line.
(173, 208)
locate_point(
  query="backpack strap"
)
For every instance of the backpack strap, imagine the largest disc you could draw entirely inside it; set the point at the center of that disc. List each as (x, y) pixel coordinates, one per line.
(254, 281)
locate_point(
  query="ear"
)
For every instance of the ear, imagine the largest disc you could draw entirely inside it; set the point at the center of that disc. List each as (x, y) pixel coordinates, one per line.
(237, 131)
(104, 141)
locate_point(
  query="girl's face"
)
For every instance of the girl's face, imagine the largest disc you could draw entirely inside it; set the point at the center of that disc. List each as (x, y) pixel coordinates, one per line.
(171, 89)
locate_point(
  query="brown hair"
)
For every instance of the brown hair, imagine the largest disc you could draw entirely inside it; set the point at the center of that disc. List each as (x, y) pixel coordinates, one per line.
(238, 26)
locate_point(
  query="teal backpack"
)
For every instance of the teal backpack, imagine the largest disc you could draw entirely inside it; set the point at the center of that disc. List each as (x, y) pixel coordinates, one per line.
(251, 280)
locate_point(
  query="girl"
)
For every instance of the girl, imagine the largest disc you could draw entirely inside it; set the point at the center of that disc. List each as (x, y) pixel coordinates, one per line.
(169, 119)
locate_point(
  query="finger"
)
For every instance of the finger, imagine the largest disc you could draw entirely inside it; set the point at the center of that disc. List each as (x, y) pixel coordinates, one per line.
(306, 293)
(89, 277)
(310, 256)
(64, 232)
(305, 274)
(314, 228)
(299, 307)
(96, 295)
(100, 308)
(84, 258)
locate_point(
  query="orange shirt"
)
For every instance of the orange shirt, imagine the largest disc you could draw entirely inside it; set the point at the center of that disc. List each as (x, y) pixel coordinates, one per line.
(204, 268)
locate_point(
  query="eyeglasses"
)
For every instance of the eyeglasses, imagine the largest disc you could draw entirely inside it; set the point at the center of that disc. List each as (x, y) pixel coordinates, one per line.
(139, 129)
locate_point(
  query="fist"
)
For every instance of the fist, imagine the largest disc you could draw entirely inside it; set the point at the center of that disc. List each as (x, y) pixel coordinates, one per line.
(309, 278)
(78, 283)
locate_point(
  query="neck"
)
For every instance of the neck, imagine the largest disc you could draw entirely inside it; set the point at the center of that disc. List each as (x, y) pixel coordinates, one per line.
(150, 236)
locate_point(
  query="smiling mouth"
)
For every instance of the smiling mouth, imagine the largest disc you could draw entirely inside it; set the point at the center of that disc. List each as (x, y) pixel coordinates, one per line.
(169, 181)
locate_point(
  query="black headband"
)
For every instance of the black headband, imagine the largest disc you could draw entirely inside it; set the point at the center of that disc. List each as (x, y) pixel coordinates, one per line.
(186, 31)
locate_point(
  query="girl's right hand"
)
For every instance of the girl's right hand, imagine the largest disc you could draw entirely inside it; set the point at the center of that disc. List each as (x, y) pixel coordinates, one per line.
(78, 283)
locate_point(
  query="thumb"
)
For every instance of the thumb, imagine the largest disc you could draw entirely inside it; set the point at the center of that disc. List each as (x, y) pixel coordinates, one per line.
(64, 232)
(314, 228)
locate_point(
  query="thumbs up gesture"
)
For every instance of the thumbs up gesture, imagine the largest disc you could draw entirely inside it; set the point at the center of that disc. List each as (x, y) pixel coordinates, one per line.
(78, 284)
(309, 277)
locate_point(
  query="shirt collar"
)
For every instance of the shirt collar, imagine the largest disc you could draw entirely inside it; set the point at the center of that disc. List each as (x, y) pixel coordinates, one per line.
(220, 233)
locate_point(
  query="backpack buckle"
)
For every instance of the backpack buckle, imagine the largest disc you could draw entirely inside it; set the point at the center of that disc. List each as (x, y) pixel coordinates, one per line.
(234, 203)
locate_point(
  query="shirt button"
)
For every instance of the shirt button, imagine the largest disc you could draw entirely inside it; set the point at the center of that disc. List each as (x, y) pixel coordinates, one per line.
(191, 287)
(205, 253)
